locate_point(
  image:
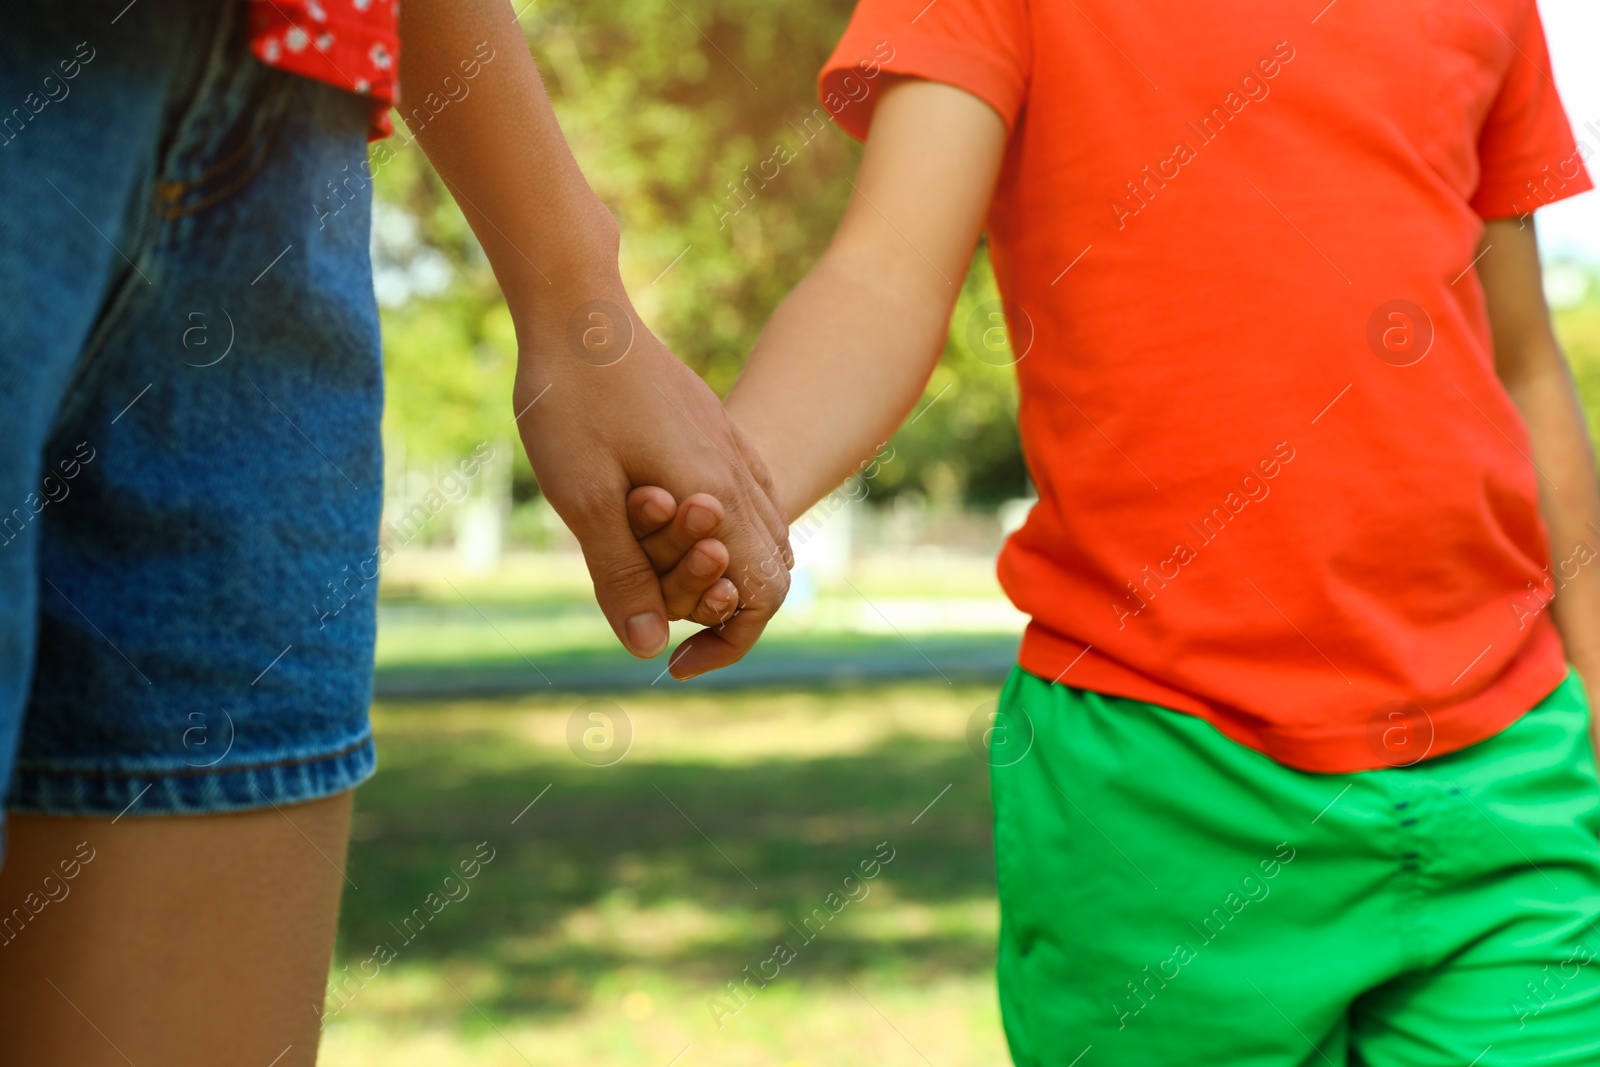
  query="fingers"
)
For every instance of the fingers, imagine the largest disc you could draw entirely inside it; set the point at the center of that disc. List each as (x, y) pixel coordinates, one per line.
(685, 586)
(717, 605)
(719, 646)
(762, 590)
(649, 509)
(683, 547)
(760, 558)
(625, 584)
(700, 516)
(692, 582)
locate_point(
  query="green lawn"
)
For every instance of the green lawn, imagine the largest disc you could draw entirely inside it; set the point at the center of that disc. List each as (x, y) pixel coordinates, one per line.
(615, 909)
(533, 625)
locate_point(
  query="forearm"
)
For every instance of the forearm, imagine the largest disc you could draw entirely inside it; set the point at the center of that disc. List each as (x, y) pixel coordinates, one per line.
(1535, 374)
(848, 353)
(1570, 502)
(499, 149)
(840, 364)
(622, 411)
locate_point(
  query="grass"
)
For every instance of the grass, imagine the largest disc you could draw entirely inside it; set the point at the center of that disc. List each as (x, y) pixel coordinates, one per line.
(542, 604)
(616, 908)
(533, 623)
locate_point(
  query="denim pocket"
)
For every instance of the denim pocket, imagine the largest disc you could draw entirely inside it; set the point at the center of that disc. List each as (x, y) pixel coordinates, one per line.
(226, 131)
(246, 149)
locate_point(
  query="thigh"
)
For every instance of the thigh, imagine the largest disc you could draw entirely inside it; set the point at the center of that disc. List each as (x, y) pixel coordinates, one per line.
(182, 941)
(206, 627)
(1168, 896)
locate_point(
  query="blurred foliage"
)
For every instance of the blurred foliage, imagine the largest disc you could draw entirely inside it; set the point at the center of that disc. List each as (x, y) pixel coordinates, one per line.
(671, 105)
(666, 104)
(1579, 330)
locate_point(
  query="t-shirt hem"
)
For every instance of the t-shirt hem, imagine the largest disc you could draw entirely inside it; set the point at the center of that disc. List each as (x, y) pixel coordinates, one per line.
(1343, 749)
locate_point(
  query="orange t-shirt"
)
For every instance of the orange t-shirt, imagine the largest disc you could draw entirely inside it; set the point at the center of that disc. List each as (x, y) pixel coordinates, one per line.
(1280, 486)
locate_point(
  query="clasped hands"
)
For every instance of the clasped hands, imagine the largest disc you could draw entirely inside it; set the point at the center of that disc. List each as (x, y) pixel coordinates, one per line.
(673, 507)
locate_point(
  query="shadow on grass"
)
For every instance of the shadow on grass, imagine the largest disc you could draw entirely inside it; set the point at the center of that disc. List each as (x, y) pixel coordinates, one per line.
(689, 870)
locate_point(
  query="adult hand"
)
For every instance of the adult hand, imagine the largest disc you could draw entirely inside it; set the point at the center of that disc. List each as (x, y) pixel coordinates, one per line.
(601, 405)
(604, 407)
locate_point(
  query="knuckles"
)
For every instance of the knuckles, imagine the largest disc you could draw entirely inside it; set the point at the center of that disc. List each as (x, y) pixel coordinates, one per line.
(618, 578)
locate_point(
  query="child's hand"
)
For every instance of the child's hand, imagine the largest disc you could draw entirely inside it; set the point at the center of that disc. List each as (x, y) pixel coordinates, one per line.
(690, 562)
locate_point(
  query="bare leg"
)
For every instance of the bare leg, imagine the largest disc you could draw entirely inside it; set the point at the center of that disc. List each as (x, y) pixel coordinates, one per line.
(192, 940)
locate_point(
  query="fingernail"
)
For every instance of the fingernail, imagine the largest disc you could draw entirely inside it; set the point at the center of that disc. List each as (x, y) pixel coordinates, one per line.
(647, 633)
(700, 520)
(656, 511)
(701, 565)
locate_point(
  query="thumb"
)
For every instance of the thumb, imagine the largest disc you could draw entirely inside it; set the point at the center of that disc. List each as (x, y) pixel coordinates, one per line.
(625, 584)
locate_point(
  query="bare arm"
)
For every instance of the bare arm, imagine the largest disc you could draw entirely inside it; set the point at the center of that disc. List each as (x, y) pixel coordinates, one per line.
(502, 154)
(1534, 370)
(602, 405)
(846, 355)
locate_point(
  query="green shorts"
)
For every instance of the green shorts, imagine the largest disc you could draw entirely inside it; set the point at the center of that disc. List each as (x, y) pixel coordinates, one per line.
(1171, 897)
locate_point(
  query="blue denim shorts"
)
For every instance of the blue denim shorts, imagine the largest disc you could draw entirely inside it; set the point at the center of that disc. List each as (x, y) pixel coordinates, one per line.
(190, 460)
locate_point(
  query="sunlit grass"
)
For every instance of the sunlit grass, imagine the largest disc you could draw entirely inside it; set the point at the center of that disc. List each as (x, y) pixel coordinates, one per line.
(639, 1019)
(619, 905)
(534, 611)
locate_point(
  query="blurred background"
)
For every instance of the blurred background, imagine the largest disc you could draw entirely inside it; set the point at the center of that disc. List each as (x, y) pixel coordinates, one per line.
(647, 841)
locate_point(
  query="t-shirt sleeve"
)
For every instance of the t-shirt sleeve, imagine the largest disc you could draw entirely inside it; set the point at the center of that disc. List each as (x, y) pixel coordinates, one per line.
(980, 46)
(1525, 132)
